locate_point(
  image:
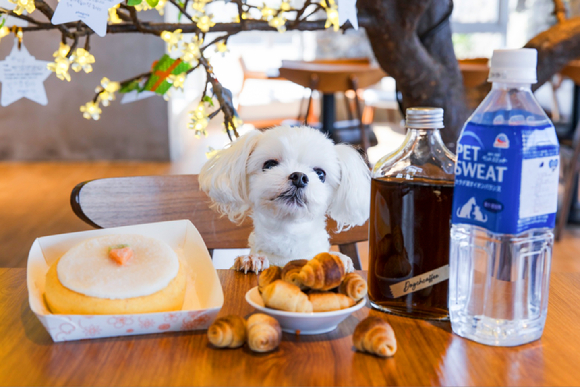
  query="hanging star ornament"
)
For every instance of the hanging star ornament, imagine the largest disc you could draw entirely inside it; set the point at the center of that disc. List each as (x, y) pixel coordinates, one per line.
(21, 76)
(347, 11)
(93, 13)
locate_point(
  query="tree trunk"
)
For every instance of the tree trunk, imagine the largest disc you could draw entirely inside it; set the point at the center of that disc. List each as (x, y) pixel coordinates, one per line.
(556, 47)
(420, 59)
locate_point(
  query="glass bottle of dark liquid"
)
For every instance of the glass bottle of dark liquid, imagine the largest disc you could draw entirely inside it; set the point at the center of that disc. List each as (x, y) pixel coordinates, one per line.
(411, 199)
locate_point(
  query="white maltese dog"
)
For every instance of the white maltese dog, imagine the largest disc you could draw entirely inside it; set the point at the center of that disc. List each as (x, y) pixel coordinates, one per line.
(288, 179)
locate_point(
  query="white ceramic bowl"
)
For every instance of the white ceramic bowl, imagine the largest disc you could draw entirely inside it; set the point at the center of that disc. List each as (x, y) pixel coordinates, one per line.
(306, 323)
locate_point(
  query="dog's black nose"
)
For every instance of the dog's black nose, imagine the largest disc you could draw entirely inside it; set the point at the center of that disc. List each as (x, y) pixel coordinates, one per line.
(299, 179)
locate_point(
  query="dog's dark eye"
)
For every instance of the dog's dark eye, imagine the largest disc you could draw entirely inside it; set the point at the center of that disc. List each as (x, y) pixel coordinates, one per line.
(321, 174)
(270, 164)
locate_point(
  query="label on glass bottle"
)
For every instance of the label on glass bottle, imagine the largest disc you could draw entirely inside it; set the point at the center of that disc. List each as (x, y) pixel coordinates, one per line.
(420, 282)
(506, 177)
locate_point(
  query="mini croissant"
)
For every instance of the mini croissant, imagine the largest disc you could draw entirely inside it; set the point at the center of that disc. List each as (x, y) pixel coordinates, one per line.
(290, 272)
(328, 301)
(354, 286)
(325, 271)
(285, 296)
(264, 333)
(268, 276)
(375, 335)
(227, 332)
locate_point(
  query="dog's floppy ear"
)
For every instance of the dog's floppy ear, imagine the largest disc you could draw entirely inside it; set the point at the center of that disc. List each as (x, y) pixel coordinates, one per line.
(350, 205)
(223, 177)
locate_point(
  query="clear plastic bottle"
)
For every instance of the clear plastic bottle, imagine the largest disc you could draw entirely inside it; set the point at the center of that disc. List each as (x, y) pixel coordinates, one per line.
(504, 209)
(411, 198)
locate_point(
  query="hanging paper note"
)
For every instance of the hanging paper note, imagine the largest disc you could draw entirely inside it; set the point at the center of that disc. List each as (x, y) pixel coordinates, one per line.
(162, 69)
(93, 13)
(22, 75)
(135, 95)
(11, 20)
(134, 91)
(347, 11)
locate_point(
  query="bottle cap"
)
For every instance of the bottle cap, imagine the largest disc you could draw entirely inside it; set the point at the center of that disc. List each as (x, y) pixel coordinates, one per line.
(513, 66)
(424, 118)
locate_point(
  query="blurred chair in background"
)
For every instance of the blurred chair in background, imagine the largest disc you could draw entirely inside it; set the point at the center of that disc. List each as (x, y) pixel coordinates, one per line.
(570, 140)
(337, 76)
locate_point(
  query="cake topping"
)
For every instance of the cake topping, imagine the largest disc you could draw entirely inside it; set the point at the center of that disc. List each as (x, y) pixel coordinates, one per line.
(121, 254)
(89, 269)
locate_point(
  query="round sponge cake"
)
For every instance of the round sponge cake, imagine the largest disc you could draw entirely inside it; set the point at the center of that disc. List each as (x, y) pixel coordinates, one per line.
(86, 281)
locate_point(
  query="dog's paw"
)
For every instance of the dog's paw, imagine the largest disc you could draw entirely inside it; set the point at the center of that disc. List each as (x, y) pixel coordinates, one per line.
(255, 263)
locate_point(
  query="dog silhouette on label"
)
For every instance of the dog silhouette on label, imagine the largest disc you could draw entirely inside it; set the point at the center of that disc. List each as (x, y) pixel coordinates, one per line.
(471, 210)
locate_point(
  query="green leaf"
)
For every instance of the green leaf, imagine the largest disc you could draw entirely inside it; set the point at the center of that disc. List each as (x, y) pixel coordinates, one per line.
(134, 2)
(128, 87)
(207, 98)
(3, 22)
(152, 3)
(179, 15)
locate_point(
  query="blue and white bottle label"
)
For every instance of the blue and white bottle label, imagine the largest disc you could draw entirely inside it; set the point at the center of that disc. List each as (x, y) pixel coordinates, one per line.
(506, 177)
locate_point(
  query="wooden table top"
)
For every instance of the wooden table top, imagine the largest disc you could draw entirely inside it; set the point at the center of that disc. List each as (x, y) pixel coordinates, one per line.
(331, 77)
(428, 353)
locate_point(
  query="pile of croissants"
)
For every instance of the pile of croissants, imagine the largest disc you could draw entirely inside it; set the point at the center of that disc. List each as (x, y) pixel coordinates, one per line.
(317, 285)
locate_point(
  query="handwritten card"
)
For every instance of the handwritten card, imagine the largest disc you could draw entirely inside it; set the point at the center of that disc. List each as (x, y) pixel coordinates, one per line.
(93, 13)
(21, 76)
(135, 95)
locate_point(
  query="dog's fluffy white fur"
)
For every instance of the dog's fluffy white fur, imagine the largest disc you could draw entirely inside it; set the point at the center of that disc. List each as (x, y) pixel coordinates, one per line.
(254, 177)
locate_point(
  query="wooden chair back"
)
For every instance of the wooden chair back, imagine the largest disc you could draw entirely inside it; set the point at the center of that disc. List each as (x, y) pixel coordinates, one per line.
(123, 201)
(475, 71)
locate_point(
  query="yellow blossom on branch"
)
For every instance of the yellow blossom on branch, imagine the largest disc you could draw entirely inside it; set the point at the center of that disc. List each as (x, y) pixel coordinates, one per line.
(267, 12)
(199, 126)
(23, 5)
(107, 90)
(4, 31)
(144, 6)
(60, 68)
(192, 51)
(172, 39)
(199, 5)
(81, 59)
(204, 22)
(221, 46)
(113, 16)
(177, 80)
(91, 110)
(285, 6)
(236, 123)
(244, 17)
(331, 14)
(199, 111)
(199, 120)
(62, 51)
(160, 7)
(278, 22)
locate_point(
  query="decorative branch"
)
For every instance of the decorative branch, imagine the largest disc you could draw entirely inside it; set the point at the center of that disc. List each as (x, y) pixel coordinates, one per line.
(400, 32)
(137, 23)
(21, 17)
(182, 9)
